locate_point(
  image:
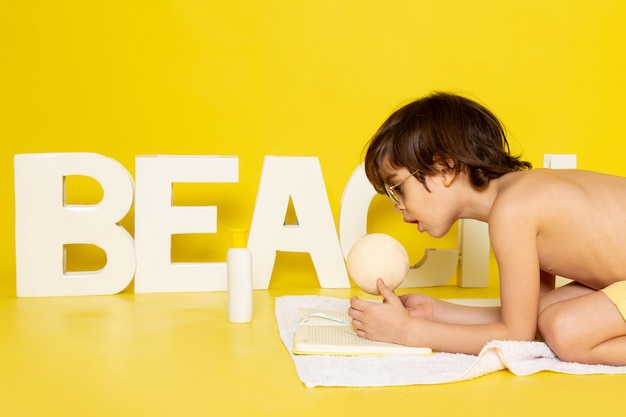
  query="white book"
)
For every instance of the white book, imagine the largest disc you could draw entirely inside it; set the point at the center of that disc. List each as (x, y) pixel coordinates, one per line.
(320, 332)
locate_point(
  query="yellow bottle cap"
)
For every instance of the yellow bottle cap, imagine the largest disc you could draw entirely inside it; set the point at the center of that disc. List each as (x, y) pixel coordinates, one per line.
(239, 238)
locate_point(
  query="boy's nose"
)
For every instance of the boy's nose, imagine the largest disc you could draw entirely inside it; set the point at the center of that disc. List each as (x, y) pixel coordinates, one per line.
(399, 207)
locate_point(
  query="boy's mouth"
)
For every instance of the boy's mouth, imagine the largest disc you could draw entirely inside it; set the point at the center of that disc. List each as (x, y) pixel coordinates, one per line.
(416, 222)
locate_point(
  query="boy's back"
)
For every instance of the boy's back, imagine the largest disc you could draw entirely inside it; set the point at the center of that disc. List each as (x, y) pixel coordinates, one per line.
(579, 218)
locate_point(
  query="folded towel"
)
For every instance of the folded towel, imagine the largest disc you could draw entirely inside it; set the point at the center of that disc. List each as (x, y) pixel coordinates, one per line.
(521, 358)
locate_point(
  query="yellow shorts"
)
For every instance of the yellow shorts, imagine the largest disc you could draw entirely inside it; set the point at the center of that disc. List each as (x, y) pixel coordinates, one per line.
(617, 294)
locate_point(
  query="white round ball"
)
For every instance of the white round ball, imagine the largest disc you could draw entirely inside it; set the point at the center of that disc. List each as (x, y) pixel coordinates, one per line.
(374, 256)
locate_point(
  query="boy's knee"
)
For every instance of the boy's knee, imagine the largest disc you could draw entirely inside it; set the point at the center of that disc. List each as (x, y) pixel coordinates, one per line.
(558, 330)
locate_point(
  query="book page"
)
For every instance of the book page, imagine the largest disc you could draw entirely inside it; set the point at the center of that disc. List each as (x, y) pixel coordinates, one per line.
(331, 332)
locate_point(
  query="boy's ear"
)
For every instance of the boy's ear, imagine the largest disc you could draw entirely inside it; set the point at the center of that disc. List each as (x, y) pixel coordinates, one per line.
(448, 175)
(447, 169)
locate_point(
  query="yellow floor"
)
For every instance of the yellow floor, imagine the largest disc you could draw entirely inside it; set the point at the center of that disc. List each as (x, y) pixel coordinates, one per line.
(177, 355)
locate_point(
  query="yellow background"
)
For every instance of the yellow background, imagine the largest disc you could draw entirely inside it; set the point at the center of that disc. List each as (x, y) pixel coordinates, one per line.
(256, 78)
(125, 78)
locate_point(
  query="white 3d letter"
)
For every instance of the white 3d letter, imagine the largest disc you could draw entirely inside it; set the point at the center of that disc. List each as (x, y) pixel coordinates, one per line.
(156, 220)
(44, 224)
(301, 178)
(473, 244)
(437, 266)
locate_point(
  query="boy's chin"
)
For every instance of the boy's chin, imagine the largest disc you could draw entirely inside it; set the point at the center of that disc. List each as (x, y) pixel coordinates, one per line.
(438, 233)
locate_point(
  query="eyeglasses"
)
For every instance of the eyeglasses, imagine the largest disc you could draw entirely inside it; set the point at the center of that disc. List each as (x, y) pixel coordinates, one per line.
(391, 189)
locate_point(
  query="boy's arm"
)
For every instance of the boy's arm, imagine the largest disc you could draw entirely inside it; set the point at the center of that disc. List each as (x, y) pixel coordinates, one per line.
(392, 322)
(425, 307)
(514, 236)
(514, 240)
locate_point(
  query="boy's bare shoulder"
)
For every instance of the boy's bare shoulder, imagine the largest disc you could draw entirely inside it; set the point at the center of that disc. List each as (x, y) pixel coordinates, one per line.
(517, 196)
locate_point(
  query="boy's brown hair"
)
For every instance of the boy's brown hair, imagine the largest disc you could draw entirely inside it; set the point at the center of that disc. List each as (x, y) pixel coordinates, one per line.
(444, 129)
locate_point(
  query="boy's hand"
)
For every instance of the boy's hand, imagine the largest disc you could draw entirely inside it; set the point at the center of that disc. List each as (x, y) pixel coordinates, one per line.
(380, 321)
(419, 305)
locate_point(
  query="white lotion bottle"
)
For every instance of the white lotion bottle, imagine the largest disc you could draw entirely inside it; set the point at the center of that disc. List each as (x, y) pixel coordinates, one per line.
(239, 276)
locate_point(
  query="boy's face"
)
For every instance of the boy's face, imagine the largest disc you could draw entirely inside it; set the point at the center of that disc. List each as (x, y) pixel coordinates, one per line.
(432, 211)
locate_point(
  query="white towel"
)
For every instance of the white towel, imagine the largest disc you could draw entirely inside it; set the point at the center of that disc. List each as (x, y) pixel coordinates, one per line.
(521, 358)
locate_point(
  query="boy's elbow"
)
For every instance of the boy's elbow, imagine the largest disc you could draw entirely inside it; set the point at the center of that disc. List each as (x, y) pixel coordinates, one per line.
(523, 335)
(528, 337)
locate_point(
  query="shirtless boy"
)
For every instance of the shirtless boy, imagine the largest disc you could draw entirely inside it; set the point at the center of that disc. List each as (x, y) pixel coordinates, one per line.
(444, 158)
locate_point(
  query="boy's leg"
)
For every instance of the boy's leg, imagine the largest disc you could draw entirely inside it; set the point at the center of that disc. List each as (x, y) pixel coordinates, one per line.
(571, 290)
(587, 328)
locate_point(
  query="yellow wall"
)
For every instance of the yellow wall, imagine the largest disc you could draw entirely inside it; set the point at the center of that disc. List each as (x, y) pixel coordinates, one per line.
(248, 78)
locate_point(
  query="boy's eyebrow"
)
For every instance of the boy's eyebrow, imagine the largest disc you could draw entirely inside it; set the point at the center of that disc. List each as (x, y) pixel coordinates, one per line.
(387, 178)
